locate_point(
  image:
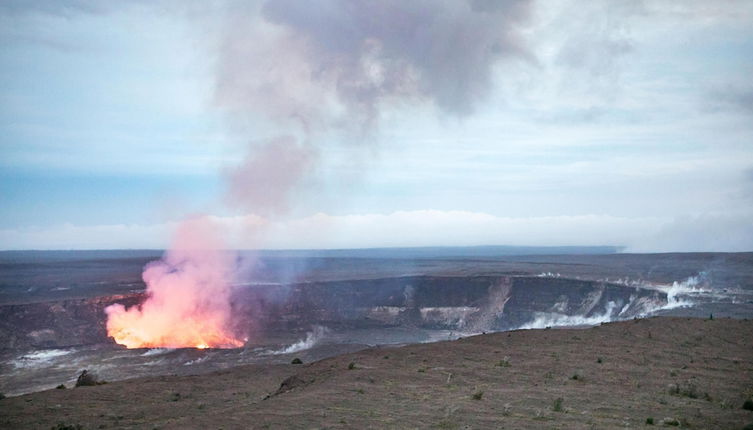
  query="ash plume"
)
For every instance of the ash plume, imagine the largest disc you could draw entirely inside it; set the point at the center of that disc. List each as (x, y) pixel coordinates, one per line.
(310, 70)
(326, 67)
(262, 182)
(338, 63)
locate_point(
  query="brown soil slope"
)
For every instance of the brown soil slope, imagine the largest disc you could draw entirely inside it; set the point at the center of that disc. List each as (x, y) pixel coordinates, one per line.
(690, 372)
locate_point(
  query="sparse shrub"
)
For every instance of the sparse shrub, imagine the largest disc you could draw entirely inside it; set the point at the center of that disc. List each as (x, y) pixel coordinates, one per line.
(296, 361)
(688, 390)
(63, 426)
(359, 391)
(60, 387)
(577, 376)
(599, 360)
(2, 396)
(174, 397)
(421, 370)
(649, 421)
(557, 405)
(506, 410)
(748, 405)
(351, 365)
(477, 395)
(670, 422)
(748, 427)
(446, 424)
(505, 362)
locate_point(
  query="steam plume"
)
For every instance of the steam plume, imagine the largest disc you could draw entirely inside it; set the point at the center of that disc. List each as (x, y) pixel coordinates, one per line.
(267, 176)
(188, 302)
(328, 63)
(313, 68)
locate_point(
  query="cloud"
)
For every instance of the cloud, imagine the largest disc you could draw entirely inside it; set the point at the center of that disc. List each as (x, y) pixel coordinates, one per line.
(712, 232)
(54, 7)
(703, 233)
(735, 97)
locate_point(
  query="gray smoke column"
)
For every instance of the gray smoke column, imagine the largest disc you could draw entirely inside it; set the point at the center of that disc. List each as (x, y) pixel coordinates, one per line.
(335, 63)
(309, 69)
(319, 67)
(263, 181)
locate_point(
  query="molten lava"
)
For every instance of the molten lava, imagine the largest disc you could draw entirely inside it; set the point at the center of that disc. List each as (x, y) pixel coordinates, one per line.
(188, 303)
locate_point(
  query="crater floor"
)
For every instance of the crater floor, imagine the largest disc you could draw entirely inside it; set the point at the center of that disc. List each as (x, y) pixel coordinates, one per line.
(687, 371)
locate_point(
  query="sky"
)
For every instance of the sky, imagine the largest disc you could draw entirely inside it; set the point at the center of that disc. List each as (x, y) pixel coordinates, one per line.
(344, 124)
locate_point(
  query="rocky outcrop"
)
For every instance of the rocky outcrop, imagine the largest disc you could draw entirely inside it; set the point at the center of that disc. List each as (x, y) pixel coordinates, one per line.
(58, 324)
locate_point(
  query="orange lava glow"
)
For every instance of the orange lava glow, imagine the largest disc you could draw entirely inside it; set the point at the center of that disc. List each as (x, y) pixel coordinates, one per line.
(188, 304)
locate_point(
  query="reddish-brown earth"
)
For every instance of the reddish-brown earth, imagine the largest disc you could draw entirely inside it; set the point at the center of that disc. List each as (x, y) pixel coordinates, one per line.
(695, 373)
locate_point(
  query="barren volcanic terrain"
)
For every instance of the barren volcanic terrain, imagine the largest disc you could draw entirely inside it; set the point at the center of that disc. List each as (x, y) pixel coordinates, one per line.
(688, 372)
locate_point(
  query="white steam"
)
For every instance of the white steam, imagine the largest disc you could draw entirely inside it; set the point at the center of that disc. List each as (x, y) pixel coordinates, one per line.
(547, 319)
(312, 339)
(683, 294)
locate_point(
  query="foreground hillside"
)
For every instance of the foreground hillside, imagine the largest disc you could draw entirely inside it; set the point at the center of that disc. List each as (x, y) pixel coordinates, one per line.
(676, 371)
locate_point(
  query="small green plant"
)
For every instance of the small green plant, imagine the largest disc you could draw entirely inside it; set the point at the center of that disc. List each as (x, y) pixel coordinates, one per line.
(2, 396)
(174, 397)
(749, 426)
(649, 421)
(60, 387)
(748, 405)
(505, 362)
(599, 360)
(296, 361)
(421, 370)
(477, 395)
(351, 365)
(63, 426)
(688, 390)
(557, 405)
(671, 422)
(359, 391)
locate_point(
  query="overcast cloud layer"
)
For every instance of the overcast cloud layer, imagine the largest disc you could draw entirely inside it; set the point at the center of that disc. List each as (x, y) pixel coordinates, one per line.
(358, 124)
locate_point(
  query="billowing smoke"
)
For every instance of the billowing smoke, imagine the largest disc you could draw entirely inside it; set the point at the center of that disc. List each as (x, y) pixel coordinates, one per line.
(334, 66)
(312, 69)
(188, 290)
(262, 182)
(337, 63)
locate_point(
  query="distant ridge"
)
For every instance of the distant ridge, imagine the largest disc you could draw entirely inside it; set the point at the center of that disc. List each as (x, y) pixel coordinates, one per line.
(445, 251)
(425, 252)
